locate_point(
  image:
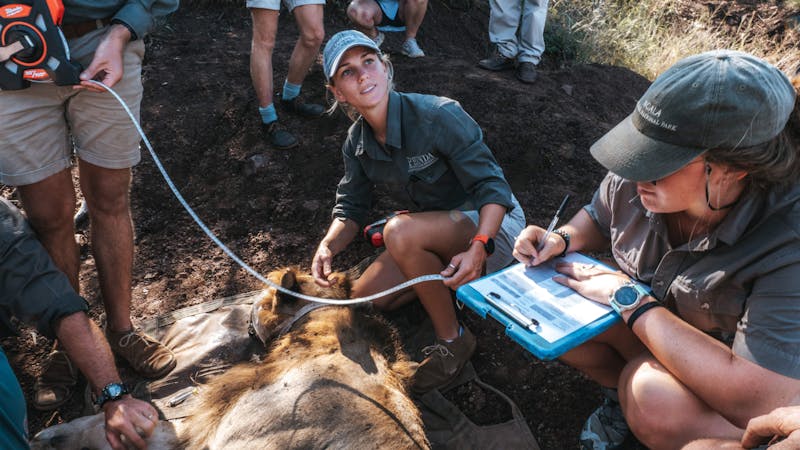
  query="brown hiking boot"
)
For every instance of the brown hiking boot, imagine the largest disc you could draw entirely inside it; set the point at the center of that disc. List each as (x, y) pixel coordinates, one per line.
(444, 361)
(56, 384)
(147, 356)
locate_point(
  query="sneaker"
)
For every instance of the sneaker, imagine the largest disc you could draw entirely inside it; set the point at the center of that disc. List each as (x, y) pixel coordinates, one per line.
(297, 106)
(411, 49)
(443, 362)
(526, 72)
(379, 38)
(147, 356)
(279, 138)
(496, 61)
(606, 428)
(56, 384)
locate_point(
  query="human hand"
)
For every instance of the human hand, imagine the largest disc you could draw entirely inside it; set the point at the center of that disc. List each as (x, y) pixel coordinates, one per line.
(526, 244)
(321, 265)
(106, 65)
(131, 418)
(464, 267)
(781, 423)
(595, 282)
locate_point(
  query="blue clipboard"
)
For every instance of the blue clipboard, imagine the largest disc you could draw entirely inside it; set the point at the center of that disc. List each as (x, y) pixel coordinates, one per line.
(518, 327)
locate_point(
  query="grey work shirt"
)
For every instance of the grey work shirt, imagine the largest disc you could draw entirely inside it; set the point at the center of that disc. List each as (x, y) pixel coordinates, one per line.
(741, 279)
(139, 15)
(434, 153)
(32, 289)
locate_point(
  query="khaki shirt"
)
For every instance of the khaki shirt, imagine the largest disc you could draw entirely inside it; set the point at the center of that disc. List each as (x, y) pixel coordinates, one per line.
(434, 159)
(742, 279)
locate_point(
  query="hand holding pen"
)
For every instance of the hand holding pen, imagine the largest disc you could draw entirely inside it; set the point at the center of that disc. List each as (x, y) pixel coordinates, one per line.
(533, 239)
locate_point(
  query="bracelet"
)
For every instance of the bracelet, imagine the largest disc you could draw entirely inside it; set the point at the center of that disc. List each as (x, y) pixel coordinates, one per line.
(641, 310)
(565, 236)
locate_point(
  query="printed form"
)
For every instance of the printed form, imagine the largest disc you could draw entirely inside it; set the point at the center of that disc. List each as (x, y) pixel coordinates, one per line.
(528, 295)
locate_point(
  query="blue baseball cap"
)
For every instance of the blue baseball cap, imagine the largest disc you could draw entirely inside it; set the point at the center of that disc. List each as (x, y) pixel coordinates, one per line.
(718, 99)
(340, 43)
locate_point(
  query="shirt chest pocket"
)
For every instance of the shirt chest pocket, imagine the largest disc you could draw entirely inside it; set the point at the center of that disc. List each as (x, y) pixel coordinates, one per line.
(709, 308)
(430, 174)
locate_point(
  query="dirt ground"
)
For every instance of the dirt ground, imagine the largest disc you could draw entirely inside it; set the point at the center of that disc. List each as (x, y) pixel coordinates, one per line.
(272, 207)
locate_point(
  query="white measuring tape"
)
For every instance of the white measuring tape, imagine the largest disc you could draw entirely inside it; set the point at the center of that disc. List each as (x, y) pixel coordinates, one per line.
(229, 252)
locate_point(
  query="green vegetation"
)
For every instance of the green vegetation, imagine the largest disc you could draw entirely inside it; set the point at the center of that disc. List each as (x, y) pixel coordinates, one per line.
(648, 36)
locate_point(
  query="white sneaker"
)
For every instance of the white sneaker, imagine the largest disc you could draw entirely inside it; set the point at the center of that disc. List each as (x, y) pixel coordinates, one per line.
(411, 49)
(379, 38)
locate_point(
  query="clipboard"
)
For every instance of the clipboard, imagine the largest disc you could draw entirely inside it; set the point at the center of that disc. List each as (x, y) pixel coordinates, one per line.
(544, 317)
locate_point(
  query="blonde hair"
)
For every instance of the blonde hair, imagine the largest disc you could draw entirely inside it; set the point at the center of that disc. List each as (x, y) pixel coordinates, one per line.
(348, 110)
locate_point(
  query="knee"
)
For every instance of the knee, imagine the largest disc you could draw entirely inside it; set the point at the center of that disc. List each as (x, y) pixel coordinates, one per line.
(108, 205)
(360, 16)
(263, 42)
(417, 5)
(313, 36)
(398, 234)
(56, 219)
(649, 404)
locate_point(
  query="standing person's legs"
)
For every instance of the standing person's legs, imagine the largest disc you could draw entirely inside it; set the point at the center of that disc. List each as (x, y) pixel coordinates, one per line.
(366, 15)
(504, 20)
(265, 28)
(308, 14)
(531, 39)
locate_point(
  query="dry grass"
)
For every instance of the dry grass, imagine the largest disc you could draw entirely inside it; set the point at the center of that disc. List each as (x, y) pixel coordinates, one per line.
(648, 36)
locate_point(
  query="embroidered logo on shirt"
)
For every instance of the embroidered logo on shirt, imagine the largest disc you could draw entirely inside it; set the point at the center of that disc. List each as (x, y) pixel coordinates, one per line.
(421, 162)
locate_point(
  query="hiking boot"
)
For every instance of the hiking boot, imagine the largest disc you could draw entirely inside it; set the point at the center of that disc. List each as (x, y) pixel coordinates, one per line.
(56, 384)
(443, 362)
(379, 38)
(279, 138)
(606, 428)
(411, 49)
(526, 72)
(147, 356)
(496, 61)
(297, 106)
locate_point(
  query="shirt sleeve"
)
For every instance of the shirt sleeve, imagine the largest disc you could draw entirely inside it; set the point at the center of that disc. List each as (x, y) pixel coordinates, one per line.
(768, 333)
(460, 140)
(32, 289)
(139, 15)
(599, 209)
(354, 192)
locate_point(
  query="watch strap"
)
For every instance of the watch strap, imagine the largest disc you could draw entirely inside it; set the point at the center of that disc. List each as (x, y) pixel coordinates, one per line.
(565, 236)
(488, 243)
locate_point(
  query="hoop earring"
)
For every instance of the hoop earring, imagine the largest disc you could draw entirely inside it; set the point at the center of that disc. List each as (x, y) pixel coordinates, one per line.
(708, 199)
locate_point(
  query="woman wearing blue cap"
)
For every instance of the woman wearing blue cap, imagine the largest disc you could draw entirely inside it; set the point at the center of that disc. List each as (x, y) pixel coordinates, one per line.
(429, 150)
(701, 203)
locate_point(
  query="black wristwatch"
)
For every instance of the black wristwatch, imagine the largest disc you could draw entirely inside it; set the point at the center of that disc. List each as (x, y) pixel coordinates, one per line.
(488, 243)
(112, 392)
(565, 236)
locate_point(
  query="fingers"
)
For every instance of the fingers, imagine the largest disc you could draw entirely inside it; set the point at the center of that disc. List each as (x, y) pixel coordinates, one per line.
(780, 422)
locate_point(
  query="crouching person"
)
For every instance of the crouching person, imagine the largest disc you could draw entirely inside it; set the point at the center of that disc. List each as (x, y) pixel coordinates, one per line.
(701, 203)
(34, 291)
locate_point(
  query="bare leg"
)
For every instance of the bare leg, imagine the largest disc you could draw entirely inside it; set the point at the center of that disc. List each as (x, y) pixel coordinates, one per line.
(603, 358)
(312, 32)
(420, 244)
(265, 28)
(49, 205)
(107, 196)
(662, 412)
(366, 15)
(412, 12)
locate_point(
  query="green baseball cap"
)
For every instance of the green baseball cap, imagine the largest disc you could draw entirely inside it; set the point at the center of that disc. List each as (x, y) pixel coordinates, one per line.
(718, 99)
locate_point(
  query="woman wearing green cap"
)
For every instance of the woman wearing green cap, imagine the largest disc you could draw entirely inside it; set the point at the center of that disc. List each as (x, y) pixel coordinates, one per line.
(432, 153)
(701, 203)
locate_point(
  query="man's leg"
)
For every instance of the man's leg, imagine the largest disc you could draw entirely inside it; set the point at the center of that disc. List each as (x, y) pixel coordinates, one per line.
(312, 31)
(412, 12)
(531, 39)
(503, 22)
(265, 28)
(366, 15)
(108, 200)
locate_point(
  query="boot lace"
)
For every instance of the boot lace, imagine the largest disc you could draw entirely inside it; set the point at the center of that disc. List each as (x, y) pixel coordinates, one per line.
(437, 347)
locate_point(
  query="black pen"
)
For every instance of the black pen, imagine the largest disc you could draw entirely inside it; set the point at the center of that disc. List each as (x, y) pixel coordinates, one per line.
(553, 222)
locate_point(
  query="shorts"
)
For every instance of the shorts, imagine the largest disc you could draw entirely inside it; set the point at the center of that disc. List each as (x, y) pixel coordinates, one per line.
(389, 11)
(510, 228)
(44, 124)
(275, 5)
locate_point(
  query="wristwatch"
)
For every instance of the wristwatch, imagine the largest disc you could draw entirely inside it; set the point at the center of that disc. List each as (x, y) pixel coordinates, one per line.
(488, 243)
(112, 391)
(627, 297)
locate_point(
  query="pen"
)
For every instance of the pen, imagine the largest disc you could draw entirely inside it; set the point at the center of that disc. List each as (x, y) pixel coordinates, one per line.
(513, 312)
(553, 222)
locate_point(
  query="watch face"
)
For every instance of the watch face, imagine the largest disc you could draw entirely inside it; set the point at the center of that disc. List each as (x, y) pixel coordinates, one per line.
(114, 390)
(626, 295)
(489, 246)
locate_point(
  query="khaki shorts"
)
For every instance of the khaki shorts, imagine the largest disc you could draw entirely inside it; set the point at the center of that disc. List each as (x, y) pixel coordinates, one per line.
(510, 228)
(44, 124)
(275, 5)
